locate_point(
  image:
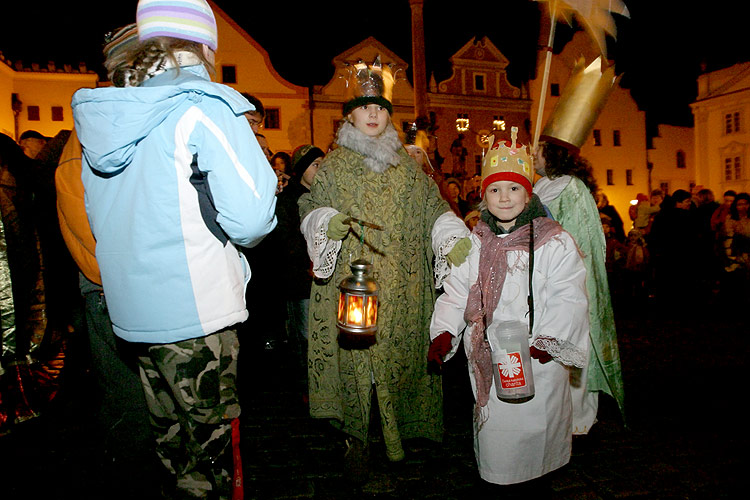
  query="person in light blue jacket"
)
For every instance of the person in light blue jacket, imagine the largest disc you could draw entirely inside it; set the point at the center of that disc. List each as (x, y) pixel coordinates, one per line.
(174, 181)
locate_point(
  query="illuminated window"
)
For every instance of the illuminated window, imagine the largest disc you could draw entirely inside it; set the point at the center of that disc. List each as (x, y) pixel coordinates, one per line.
(498, 123)
(462, 122)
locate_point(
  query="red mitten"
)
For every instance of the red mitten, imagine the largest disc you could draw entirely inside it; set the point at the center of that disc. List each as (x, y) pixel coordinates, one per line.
(542, 356)
(439, 347)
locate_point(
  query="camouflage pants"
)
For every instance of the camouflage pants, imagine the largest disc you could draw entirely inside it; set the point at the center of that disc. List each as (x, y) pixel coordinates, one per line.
(190, 389)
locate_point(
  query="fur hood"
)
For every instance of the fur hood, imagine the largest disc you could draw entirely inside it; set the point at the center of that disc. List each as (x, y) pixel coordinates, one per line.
(380, 152)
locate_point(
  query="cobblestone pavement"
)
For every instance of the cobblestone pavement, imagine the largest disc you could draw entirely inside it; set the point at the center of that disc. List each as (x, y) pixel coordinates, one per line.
(685, 437)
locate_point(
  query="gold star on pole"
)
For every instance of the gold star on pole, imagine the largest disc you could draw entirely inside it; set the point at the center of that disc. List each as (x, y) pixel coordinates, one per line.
(595, 15)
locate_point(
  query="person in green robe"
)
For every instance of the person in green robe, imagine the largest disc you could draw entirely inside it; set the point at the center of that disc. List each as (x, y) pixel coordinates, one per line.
(565, 188)
(369, 176)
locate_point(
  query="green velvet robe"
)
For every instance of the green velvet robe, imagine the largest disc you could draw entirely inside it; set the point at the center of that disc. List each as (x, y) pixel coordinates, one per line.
(406, 203)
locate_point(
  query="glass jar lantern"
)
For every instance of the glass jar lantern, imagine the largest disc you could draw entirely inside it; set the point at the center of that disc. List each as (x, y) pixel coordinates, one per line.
(358, 307)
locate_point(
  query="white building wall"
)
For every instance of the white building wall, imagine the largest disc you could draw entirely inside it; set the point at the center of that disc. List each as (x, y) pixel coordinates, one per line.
(666, 169)
(722, 94)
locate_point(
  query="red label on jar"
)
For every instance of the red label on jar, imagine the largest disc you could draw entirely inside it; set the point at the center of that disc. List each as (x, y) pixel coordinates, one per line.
(511, 371)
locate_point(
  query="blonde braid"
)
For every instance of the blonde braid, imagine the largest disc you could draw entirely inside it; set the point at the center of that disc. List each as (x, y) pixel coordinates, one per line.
(155, 51)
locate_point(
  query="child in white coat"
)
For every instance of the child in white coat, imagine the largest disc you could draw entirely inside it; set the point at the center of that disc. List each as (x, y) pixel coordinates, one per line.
(516, 442)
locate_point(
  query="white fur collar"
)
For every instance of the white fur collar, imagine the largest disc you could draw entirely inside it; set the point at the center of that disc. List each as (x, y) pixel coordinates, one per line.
(380, 152)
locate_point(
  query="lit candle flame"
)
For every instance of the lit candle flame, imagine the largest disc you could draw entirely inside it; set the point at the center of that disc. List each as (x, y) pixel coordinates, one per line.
(355, 311)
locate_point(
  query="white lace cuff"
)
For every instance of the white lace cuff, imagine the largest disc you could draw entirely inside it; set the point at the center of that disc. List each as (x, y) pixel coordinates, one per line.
(563, 351)
(320, 248)
(448, 229)
(442, 266)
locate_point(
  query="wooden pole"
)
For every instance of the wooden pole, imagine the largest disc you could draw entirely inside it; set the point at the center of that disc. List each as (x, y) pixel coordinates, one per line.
(545, 77)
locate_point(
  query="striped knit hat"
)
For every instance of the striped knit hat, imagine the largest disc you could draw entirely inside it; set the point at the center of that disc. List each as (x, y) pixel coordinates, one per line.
(184, 19)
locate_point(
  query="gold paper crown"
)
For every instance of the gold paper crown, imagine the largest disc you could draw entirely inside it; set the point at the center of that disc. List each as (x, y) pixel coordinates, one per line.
(369, 84)
(580, 104)
(507, 161)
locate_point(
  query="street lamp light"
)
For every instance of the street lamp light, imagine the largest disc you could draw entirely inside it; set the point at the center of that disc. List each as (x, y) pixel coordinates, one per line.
(462, 122)
(498, 123)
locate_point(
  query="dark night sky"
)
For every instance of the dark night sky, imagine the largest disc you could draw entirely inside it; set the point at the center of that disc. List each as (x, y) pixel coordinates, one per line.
(659, 50)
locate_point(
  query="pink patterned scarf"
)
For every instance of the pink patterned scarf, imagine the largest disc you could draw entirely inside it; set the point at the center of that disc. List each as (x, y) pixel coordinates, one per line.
(485, 293)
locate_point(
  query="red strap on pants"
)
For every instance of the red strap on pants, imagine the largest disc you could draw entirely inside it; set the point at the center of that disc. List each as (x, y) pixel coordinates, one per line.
(238, 490)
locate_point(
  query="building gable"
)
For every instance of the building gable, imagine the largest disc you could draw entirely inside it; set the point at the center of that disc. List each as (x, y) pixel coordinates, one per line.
(253, 69)
(725, 81)
(479, 68)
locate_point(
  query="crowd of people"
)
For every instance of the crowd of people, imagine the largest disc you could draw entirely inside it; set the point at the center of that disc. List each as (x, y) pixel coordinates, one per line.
(188, 240)
(682, 252)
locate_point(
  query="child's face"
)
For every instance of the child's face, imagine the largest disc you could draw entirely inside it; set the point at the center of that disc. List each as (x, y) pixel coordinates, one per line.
(309, 175)
(417, 154)
(279, 164)
(371, 119)
(506, 200)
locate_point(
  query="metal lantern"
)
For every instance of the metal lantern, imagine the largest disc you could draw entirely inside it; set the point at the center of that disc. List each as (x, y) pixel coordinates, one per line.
(358, 307)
